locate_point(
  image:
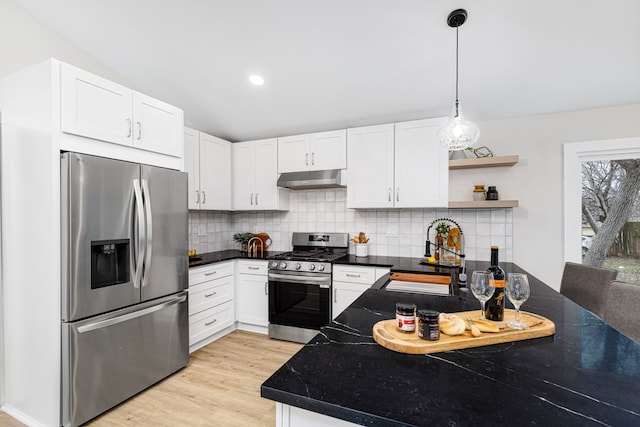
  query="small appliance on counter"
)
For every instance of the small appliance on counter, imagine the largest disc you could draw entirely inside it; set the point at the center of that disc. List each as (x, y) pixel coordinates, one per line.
(300, 285)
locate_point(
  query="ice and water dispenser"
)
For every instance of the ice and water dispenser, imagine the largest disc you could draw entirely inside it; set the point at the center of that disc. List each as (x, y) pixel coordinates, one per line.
(110, 264)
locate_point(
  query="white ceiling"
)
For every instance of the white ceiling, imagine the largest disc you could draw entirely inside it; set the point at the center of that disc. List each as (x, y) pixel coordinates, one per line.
(333, 64)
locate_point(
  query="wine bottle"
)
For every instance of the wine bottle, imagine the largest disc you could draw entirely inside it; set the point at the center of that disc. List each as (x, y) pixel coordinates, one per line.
(495, 306)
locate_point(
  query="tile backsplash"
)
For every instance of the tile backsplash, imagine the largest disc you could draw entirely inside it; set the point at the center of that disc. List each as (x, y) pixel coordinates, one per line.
(392, 232)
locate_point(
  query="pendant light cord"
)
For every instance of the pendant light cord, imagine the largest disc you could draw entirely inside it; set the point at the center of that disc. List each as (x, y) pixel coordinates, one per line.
(457, 71)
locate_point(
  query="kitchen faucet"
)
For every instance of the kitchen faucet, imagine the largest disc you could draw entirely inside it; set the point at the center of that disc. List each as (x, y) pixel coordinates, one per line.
(462, 277)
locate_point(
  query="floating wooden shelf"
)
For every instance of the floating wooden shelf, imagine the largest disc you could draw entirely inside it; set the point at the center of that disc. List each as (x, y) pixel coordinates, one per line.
(484, 204)
(483, 162)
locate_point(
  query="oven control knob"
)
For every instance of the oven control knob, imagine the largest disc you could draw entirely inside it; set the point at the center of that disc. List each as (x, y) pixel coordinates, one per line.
(321, 267)
(312, 267)
(283, 265)
(298, 266)
(274, 264)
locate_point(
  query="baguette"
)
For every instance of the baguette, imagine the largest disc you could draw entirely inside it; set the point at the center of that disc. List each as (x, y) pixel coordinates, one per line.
(486, 326)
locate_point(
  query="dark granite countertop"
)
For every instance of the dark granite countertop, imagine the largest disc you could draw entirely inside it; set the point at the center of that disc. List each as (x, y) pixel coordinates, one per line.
(586, 374)
(394, 263)
(227, 255)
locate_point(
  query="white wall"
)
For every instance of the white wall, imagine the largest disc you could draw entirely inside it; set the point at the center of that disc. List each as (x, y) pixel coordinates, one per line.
(25, 41)
(537, 180)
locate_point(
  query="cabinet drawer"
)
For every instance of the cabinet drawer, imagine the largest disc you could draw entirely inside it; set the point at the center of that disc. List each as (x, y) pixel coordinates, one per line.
(364, 275)
(208, 322)
(209, 294)
(210, 272)
(253, 267)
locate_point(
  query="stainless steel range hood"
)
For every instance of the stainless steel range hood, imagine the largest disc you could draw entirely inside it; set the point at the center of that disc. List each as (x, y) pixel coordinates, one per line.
(335, 178)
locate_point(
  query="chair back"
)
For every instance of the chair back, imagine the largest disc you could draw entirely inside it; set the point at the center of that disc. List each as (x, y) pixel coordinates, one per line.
(622, 309)
(587, 286)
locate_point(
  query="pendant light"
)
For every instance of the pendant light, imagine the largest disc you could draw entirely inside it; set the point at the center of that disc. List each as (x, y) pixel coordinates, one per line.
(458, 133)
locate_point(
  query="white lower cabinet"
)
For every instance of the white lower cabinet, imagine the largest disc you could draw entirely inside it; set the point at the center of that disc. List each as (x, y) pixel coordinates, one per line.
(252, 296)
(211, 303)
(204, 325)
(349, 282)
(292, 416)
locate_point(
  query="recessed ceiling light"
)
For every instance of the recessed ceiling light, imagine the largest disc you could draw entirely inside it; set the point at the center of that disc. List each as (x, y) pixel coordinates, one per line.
(256, 80)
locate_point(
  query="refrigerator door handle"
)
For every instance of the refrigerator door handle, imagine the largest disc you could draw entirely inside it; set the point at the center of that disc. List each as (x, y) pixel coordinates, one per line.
(133, 315)
(139, 234)
(149, 223)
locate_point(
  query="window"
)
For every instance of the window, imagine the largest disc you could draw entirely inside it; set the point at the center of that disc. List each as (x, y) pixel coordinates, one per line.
(587, 165)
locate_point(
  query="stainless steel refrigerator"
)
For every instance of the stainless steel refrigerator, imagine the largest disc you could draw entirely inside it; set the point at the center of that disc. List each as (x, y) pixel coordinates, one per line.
(124, 274)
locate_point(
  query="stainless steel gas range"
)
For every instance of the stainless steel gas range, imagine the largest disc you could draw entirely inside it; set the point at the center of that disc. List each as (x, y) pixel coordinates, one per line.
(300, 285)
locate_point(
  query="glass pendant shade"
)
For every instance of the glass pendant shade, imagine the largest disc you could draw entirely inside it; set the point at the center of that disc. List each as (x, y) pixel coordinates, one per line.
(458, 133)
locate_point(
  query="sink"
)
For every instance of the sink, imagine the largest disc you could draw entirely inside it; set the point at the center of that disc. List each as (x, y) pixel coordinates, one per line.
(418, 288)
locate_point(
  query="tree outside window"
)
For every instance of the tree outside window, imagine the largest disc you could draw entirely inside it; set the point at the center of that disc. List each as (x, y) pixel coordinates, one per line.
(611, 216)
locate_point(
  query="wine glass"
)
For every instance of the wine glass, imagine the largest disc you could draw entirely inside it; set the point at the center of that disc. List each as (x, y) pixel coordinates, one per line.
(518, 291)
(483, 287)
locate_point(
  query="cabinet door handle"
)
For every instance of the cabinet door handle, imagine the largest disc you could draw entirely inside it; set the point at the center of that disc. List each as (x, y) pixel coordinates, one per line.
(257, 199)
(204, 197)
(210, 323)
(210, 295)
(397, 194)
(335, 295)
(253, 268)
(210, 273)
(389, 193)
(313, 159)
(251, 199)
(128, 127)
(139, 130)
(197, 196)
(306, 159)
(266, 288)
(357, 276)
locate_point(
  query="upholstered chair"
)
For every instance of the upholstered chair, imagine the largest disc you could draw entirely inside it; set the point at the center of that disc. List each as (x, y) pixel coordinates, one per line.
(587, 286)
(622, 309)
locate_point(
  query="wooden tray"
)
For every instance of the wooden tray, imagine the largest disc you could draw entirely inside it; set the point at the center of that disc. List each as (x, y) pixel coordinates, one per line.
(387, 335)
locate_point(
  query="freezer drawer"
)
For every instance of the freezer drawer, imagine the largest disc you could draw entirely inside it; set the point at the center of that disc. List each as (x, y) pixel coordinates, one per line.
(109, 358)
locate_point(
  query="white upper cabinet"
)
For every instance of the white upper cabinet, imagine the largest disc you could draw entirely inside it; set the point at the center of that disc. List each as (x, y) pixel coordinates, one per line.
(421, 165)
(397, 165)
(207, 160)
(192, 166)
(370, 173)
(215, 173)
(255, 175)
(97, 108)
(157, 126)
(313, 152)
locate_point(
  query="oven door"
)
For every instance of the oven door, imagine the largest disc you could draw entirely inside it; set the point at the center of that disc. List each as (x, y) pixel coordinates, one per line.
(300, 300)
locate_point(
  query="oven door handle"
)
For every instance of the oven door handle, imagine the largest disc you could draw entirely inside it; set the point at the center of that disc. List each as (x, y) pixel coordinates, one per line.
(323, 282)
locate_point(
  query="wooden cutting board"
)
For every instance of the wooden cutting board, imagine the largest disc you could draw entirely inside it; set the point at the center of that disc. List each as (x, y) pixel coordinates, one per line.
(421, 278)
(387, 335)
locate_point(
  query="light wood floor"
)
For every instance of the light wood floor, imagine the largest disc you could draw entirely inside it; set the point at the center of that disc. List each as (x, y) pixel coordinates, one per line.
(219, 387)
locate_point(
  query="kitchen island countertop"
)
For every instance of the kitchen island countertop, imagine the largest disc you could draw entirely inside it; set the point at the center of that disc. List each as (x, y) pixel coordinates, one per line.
(586, 374)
